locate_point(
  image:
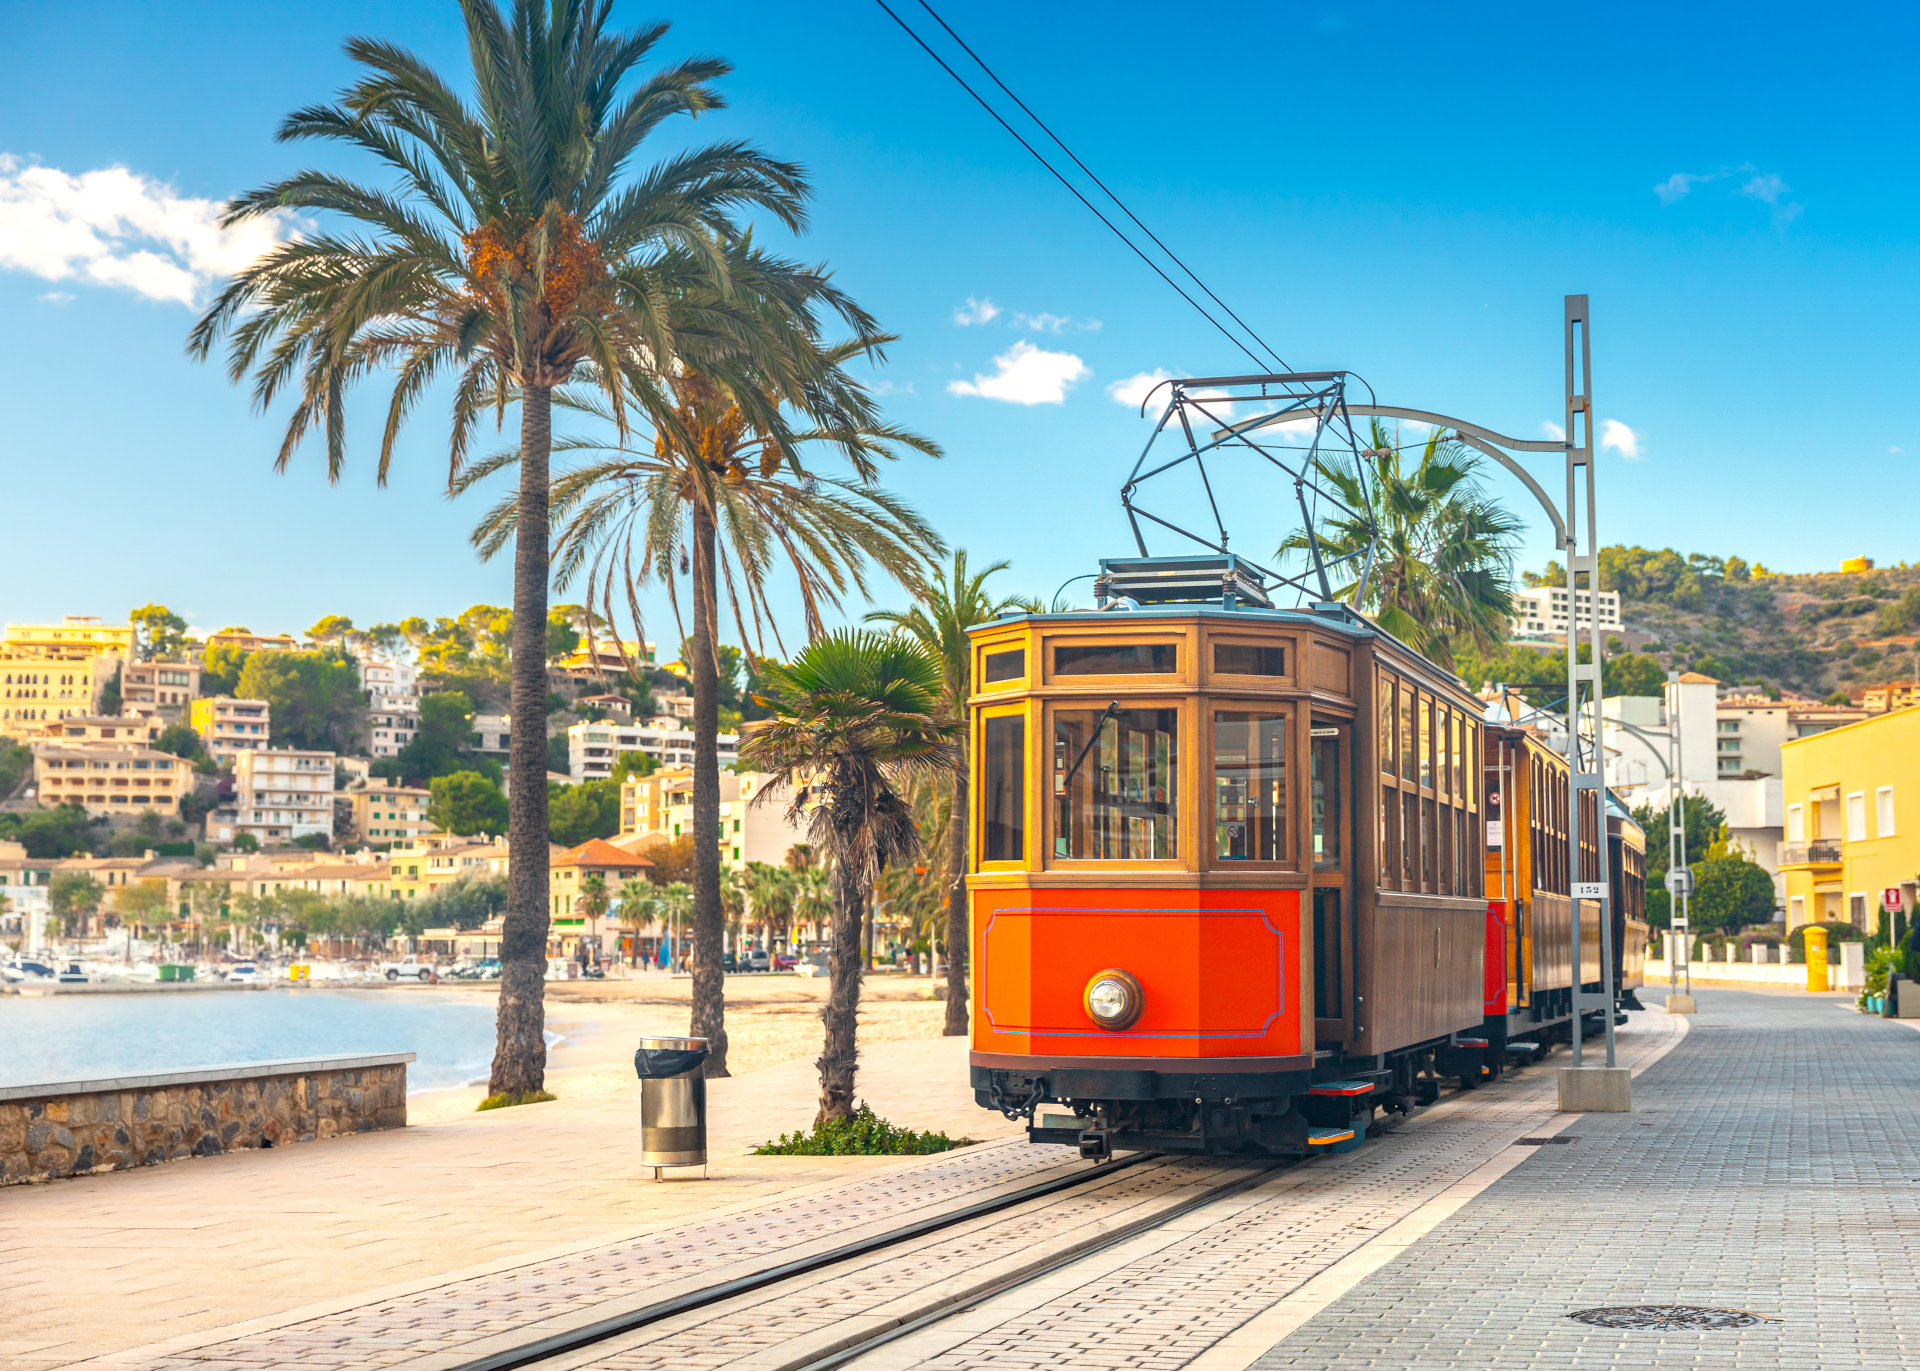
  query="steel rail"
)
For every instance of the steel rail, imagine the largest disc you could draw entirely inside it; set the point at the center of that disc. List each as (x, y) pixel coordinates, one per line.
(966, 1300)
(555, 1344)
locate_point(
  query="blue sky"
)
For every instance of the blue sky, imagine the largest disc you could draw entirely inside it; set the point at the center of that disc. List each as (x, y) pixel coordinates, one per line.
(1403, 190)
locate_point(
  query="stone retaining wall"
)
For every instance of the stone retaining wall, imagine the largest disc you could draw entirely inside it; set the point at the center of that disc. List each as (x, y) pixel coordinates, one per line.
(80, 1127)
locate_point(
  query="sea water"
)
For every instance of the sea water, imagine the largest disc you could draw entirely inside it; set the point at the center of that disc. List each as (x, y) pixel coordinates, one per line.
(50, 1038)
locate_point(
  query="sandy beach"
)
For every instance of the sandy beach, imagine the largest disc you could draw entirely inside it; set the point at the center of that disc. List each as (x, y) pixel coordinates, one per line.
(770, 1020)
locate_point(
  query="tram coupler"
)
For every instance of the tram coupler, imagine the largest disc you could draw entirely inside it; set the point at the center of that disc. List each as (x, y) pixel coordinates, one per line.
(1096, 1145)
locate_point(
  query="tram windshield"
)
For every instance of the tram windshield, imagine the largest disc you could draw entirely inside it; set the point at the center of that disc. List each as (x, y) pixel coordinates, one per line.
(1115, 784)
(1250, 786)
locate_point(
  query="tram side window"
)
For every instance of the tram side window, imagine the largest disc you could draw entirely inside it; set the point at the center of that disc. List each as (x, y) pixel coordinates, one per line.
(1249, 787)
(1115, 784)
(1003, 795)
(1232, 659)
(1004, 666)
(1386, 731)
(1408, 769)
(1116, 659)
(1426, 742)
(1326, 787)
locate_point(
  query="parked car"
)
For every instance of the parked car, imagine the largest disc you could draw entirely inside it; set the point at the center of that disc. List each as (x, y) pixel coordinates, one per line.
(412, 968)
(785, 961)
(755, 959)
(729, 963)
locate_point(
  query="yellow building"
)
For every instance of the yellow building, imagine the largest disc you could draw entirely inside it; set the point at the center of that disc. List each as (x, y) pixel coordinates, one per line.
(1847, 838)
(426, 863)
(104, 728)
(41, 687)
(229, 727)
(661, 806)
(248, 641)
(111, 779)
(81, 633)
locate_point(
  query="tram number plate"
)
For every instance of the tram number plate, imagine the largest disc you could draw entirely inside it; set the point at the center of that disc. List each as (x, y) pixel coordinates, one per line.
(1589, 890)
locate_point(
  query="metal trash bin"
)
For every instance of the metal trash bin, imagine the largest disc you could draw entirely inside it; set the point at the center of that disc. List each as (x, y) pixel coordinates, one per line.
(673, 1102)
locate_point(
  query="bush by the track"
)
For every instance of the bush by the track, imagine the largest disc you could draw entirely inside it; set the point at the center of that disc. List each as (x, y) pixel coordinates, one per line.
(861, 1134)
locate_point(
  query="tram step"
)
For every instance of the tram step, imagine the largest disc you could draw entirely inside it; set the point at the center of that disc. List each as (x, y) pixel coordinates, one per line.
(1335, 1139)
(1341, 1088)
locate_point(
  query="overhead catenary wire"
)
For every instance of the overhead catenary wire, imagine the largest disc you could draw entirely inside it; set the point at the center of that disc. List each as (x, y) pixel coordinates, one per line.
(1074, 190)
(1106, 190)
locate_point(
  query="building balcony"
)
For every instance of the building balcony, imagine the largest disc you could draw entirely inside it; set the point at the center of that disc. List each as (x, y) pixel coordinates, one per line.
(1821, 852)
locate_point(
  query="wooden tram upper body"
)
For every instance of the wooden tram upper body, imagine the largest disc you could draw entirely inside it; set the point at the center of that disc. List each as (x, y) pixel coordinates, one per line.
(1269, 822)
(1529, 876)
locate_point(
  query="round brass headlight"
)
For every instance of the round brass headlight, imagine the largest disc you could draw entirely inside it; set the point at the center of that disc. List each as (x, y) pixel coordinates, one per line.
(1113, 998)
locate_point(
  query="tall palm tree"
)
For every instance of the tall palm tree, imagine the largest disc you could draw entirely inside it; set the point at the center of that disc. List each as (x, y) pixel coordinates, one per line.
(520, 250)
(724, 496)
(948, 608)
(856, 717)
(1443, 570)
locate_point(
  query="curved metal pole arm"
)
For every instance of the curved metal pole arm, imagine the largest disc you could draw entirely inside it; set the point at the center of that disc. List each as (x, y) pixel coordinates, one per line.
(1489, 442)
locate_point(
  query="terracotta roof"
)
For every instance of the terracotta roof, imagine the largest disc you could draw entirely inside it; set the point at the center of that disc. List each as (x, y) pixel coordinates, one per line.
(598, 852)
(1695, 678)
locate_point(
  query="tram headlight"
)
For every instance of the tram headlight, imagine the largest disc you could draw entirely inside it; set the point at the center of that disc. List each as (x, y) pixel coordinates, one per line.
(1113, 998)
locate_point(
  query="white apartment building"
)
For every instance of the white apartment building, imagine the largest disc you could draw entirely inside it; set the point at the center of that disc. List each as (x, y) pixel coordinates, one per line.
(592, 749)
(389, 730)
(491, 734)
(150, 688)
(661, 806)
(280, 795)
(1542, 611)
(389, 684)
(229, 727)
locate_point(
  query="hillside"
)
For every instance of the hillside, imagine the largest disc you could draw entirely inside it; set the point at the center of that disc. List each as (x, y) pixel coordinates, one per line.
(1813, 633)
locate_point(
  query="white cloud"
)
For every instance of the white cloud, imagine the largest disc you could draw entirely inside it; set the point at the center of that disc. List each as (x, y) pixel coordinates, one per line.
(1768, 188)
(1026, 375)
(1897, 451)
(55, 297)
(1043, 323)
(117, 228)
(1132, 391)
(1676, 186)
(1553, 430)
(1623, 440)
(976, 312)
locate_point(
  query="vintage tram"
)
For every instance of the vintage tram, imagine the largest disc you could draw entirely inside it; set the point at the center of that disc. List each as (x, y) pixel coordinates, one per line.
(1529, 880)
(1227, 886)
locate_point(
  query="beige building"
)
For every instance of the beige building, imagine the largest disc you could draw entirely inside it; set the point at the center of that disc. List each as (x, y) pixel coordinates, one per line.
(104, 728)
(249, 641)
(148, 688)
(389, 730)
(230, 727)
(424, 865)
(384, 813)
(114, 779)
(1748, 733)
(77, 633)
(661, 805)
(592, 749)
(280, 795)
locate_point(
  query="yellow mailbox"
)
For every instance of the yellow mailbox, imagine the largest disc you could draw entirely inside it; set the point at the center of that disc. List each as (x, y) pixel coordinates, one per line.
(1816, 942)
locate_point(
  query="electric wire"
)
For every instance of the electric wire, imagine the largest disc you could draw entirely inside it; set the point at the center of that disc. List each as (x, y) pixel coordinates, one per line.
(980, 62)
(1072, 189)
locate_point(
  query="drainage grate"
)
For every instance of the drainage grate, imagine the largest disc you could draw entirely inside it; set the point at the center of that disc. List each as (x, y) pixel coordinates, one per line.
(1670, 1317)
(1543, 1142)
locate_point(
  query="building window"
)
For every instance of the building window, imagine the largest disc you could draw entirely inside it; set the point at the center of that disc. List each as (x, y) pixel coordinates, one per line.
(1857, 817)
(1857, 910)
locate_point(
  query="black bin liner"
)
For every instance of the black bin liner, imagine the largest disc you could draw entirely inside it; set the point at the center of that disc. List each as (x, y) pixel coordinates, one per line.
(658, 1062)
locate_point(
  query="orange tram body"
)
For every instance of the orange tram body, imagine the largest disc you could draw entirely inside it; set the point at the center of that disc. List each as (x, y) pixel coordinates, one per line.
(1229, 878)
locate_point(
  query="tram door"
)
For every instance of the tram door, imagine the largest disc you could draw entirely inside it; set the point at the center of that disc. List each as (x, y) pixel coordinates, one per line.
(1329, 806)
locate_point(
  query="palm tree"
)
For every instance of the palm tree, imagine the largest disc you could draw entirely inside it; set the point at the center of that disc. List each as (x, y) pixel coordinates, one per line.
(1443, 570)
(636, 897)
(812, 897)
(771, 889)
(520, 251)
(939, 623)
(856, 716)
(725, 496)
(592, 902)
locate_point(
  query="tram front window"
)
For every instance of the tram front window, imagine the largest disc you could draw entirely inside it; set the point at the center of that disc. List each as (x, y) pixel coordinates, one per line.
(1249, 787)
(1116, 784)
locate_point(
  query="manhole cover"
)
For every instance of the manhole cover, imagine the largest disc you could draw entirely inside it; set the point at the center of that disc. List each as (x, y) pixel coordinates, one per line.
(1676, 1317)
(1543, 1142)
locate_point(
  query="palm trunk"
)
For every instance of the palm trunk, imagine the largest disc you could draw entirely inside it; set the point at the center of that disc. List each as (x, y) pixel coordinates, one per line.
(959, 936)
(841, 1016)
(520, 1052)
(709, 918)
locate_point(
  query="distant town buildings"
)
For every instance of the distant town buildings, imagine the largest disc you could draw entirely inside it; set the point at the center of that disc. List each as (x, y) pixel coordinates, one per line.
(383, 813)
(150, 688)
(282, 796)
(592, 749)
(1542, 611)
(390, 729)
(229, 728)
(248, 641)
(111, 779)
(50, 672)
(660, 807)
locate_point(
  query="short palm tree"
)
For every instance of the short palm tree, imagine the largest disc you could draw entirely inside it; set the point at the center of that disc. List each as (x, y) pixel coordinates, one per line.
(521, 249)
(856, 717)
(723, 495)
(948, 607)
(1442, 572)
(636, 904)
(591, 904)
(812, 897)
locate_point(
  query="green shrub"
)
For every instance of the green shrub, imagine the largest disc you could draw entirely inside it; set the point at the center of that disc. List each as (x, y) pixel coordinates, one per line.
(863, 1134)
(507, 1101)
(1837, 932)
(1881, 961)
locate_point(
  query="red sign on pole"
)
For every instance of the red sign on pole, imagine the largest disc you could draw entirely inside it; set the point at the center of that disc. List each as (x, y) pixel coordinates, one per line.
(1890, 898)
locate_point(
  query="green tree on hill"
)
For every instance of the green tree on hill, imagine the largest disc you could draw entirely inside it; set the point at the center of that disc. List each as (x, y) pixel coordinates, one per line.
(159, 635)
(466, 802)
(313, 695)
(590, 809)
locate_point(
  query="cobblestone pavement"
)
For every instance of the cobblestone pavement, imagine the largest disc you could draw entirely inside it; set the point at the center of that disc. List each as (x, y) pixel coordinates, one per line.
(1165, 1298)
(470, 1312)
(1772, 1165)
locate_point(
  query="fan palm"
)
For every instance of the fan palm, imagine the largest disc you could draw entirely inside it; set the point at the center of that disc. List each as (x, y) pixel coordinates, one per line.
(856, 717)
(948, 607)
(636, 902)
(591, 904)
(812, 897)
(1442, 572)
(520, 248)
(724, 495)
